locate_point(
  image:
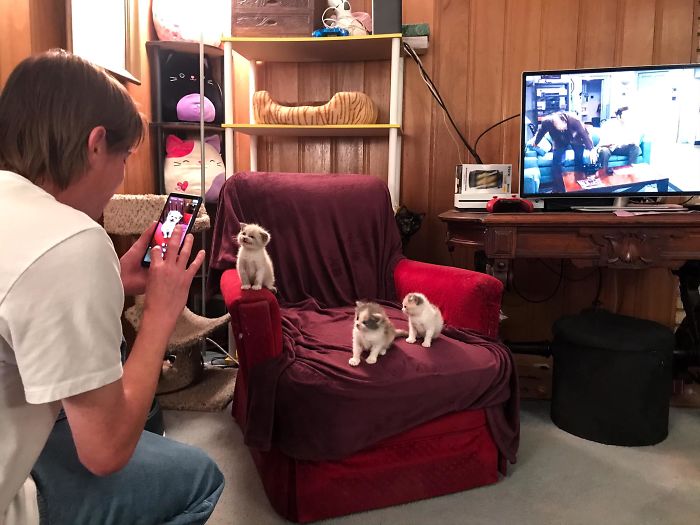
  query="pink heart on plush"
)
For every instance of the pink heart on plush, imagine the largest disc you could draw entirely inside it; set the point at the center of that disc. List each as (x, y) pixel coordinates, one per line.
(182, 186)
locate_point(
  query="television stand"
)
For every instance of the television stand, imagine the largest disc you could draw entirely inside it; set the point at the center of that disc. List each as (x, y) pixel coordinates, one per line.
(587, 239)
(638, 207)
(496, 240)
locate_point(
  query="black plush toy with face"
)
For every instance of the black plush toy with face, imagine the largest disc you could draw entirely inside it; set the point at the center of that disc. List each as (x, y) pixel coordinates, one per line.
(180, 90)
(409, 222)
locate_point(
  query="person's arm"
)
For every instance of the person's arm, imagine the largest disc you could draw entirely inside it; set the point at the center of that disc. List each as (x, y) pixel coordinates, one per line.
(580, 129)
(107, 422)
(541, 132)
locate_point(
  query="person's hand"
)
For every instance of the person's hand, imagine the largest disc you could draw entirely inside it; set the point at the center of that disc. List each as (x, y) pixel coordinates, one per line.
(169, 280)
(133, 274)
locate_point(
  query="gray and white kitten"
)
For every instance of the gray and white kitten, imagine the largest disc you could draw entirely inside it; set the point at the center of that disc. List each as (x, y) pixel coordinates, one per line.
(254, 264)
(424, 319)
(372, 331)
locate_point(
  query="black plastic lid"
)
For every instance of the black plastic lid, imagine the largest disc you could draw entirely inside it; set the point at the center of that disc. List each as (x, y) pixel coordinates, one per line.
(608, 331)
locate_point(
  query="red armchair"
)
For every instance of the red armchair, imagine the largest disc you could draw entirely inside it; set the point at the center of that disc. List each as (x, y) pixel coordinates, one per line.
(450, 453)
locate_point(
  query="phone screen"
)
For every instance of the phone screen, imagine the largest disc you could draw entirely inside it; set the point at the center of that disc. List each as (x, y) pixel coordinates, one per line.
(178, 209)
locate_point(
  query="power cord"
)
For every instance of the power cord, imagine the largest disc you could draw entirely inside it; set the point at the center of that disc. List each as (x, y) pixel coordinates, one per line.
(596, 301)
(438, 98)
(545, 299)
(476, 143)
(234, 361)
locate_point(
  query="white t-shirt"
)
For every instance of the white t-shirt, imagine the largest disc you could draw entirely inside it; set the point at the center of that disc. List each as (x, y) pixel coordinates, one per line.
(61, 300)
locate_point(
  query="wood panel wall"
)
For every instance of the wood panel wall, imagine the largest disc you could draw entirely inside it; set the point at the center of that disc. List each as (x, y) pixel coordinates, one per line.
(141, 166)
(28, 27)
(478, 67)
(478, 49)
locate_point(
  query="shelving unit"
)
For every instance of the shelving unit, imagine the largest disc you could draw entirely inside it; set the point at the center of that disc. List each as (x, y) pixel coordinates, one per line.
(303, 49)
(157, 51)
(370, 130)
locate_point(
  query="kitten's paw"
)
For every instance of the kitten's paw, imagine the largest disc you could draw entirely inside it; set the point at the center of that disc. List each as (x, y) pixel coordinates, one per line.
(425, 344)
(354, 361)
(245, 287)
(371, 360)
(382, 352)
(411, 340)
(256, 287)
(272, 289)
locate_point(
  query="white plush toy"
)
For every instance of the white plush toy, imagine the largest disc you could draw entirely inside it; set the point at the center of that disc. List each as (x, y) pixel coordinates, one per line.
(173, 219)
(188, 21)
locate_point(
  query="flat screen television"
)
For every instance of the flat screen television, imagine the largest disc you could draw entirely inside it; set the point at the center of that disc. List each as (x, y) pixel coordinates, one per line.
(611, 132)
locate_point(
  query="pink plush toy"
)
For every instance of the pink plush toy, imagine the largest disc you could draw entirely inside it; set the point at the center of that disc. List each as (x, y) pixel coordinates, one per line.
(183, 167)
(187, 20)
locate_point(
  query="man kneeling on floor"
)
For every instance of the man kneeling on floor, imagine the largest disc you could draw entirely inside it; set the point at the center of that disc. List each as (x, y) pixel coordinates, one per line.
(66, 130)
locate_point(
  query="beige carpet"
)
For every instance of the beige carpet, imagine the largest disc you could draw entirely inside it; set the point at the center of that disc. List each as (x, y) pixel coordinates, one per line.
(559, 479)
(211, 394)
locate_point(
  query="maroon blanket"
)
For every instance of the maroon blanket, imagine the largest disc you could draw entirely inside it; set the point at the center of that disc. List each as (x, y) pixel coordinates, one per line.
(334, 240)
(333, 237)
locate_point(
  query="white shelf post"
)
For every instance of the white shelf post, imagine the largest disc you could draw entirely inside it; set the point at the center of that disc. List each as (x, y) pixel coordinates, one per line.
(394, 176)
(253, 140)
(228, 109)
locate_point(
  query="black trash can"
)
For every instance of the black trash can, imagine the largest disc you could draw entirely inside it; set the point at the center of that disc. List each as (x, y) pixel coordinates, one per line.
(612, 378)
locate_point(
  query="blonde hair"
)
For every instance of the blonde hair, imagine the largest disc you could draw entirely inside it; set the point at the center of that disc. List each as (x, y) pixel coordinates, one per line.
(48, 107)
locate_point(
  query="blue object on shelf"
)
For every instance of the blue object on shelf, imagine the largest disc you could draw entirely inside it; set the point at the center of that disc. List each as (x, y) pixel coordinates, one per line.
(331, 31)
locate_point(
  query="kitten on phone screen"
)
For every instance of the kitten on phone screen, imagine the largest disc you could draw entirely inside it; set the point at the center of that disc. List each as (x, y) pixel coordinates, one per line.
(254, 264)
(424, 319)
(373, 331)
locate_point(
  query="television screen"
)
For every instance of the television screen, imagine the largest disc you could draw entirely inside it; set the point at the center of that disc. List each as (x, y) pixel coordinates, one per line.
(611, 132)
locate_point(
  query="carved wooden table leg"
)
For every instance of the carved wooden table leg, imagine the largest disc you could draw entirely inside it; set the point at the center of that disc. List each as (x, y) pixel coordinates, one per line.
(501, 270)
(688, 333)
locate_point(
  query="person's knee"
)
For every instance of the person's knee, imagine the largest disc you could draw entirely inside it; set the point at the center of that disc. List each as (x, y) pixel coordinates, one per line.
(202, 469)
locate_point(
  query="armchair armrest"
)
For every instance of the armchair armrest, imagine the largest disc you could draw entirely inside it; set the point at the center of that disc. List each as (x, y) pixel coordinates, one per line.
(255, 321)
(466, 299)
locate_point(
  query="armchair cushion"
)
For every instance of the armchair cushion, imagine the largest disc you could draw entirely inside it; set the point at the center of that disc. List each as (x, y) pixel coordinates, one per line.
(466, 299)
(310, 404)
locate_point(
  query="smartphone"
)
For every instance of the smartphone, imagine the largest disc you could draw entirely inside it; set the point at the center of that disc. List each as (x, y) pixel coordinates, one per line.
(179, 209)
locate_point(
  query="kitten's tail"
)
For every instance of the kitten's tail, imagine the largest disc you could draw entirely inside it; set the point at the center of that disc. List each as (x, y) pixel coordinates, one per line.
(400, 333)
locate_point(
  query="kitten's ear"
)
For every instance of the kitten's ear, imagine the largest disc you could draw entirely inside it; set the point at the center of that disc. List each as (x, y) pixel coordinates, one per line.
(243, 225)
(265, 237)
(359, 304)
(417, 299)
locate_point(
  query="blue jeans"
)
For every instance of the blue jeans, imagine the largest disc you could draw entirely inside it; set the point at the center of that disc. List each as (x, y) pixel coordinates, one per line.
(164, 482)
(557, 161)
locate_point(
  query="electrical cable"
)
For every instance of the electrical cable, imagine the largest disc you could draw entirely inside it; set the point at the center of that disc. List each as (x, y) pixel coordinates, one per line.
(454, 140)
(569, 279)
(233, 359)
(545, 299)
(476, 143)
(436, 95)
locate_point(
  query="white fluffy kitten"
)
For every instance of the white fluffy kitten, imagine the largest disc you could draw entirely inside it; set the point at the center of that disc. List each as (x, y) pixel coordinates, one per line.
(372, 331)
(254, 265)
(424, 319)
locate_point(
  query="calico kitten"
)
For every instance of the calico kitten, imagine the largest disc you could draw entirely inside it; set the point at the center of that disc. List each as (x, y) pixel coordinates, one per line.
(424, 319)
(409, 222)
(254, 264)
(373, 331)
